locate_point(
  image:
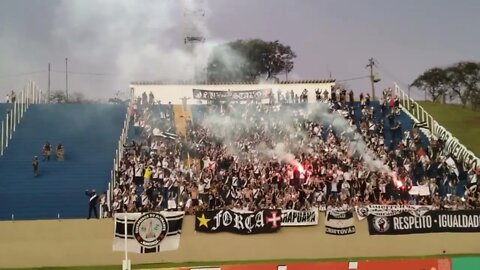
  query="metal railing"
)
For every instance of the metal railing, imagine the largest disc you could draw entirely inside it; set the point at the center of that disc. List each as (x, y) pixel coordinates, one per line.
(118, 155)
(452, 144)
(30, 94)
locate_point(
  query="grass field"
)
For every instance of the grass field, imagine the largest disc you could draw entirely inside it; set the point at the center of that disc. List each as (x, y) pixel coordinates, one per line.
(463, 123)
(220, 263)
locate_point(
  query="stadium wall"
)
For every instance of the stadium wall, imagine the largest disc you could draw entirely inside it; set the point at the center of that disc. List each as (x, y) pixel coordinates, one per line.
(175, 92)
(89, 242)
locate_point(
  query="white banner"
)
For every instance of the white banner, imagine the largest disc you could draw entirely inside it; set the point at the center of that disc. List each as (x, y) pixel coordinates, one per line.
(299, 218)
(390, 210)
(454, 147)
(148, 232)
(420, 190)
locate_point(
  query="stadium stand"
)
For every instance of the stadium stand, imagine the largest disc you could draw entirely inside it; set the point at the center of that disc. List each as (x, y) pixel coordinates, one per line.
(4, 108)
(154, 175)
(89, 135)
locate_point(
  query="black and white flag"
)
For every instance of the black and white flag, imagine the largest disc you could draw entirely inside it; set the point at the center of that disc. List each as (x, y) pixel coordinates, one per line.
(422, 124)
(435, 221)
(339, 221)
(148, 232)
(381, 210)
(243, 222)
(168, 135)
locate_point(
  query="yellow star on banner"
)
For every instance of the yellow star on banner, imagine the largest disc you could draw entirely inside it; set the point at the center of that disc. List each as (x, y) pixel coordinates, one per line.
(203, 221)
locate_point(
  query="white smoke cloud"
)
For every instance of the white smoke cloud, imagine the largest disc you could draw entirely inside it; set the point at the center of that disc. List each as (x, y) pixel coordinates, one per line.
(135, 40)
(274, 143)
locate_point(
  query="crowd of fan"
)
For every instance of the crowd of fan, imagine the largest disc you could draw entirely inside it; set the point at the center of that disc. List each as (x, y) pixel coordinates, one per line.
(266, 158)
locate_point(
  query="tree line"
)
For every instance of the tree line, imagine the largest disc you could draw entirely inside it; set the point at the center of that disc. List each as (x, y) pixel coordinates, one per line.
(249, 60)
(460, 80)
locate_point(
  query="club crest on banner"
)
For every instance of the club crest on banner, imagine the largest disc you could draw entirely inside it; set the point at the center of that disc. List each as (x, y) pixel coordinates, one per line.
(150, 229)
(381, 224)
(362, 211)
(274, 219)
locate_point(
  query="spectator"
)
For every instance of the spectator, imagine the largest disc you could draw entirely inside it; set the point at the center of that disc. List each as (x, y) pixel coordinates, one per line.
(35, 166)
(151, 98)
(60, 152)
(92, 203)
(236, 168)
(13, 96)
(104, 205)
(47, 149)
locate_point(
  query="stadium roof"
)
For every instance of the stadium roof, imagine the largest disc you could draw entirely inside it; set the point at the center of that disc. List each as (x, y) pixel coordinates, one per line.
(224, 83)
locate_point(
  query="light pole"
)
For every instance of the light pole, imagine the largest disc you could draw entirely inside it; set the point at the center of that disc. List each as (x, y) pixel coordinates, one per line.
(371, 63)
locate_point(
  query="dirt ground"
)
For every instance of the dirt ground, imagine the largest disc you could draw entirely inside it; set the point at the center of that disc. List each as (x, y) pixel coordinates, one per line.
(89, 242)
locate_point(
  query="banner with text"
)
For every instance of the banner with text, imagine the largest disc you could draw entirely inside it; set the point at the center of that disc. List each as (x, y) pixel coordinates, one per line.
(431, 222)
(299, 218)
(231, 95)
(390, 210)
(263, 221)
(339, 221)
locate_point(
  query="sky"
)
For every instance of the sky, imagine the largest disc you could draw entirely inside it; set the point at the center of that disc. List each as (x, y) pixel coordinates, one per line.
(110, 43)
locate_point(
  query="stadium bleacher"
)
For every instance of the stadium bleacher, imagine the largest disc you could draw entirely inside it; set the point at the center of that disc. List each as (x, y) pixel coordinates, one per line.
(89, 133)
(4, 107)
(422, 163)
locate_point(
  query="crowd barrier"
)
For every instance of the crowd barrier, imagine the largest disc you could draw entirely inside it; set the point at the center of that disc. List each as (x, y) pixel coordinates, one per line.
(118, 154)
(30, 94)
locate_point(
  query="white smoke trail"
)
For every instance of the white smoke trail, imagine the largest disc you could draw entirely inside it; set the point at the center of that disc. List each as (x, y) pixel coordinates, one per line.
(357, 146)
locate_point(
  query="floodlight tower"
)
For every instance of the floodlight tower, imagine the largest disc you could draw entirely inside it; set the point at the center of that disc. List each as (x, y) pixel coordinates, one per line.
(194, 23)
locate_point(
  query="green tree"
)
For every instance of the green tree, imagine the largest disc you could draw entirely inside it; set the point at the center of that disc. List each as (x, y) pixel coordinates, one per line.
(475, 99)
(57, 96)
(78, 98)
(249, 60)
(463, 80)
(434, 81)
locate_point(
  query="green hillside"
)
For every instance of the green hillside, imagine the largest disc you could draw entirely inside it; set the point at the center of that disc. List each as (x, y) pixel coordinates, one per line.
(463, 123)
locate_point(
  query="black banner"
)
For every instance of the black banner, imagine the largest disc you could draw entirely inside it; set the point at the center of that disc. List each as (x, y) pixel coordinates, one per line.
(339, 221)
(431, 222)
(231, 95)
(263, 221)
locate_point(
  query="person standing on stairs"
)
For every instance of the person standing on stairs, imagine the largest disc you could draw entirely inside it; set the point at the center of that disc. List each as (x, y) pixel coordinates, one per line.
(35, 166)
(59, 152)
(47, 149)
(92, 204)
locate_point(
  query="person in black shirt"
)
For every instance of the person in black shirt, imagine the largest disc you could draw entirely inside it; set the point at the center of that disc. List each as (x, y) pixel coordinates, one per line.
(318, 95)
(35, 166)
(92, 204)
